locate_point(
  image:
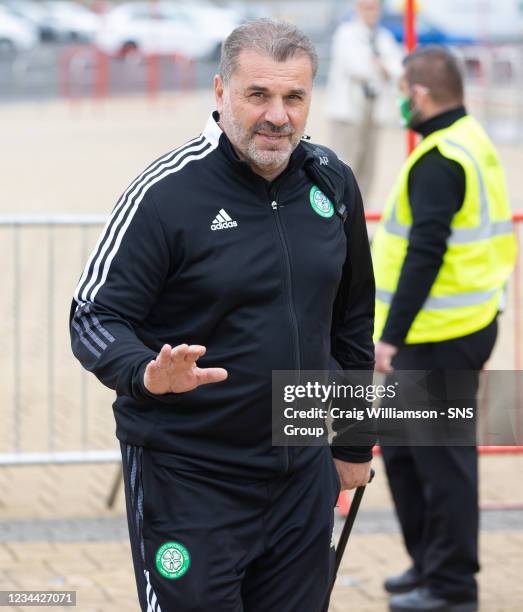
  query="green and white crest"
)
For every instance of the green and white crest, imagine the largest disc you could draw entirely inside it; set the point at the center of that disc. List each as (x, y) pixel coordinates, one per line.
(321, 203)
(172, 560)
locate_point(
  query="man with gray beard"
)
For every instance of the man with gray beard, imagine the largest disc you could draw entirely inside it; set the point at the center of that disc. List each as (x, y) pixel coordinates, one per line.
(242, 252)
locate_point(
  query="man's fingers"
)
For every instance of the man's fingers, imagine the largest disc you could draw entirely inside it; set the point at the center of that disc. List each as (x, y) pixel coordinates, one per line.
(164, 357)
(211, 375)
(194, 352)
(178, 353)
(383, 364)
(387, 368)
(384, 353)
(384, 367)
(352, 475)
(150, 368)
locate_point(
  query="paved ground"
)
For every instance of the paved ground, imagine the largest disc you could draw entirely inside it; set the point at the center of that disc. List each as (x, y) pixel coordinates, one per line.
(57, 533)
(101, 572)
(109, 529)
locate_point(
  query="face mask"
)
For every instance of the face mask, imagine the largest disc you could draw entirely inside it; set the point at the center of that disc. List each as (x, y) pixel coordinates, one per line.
(404, 104)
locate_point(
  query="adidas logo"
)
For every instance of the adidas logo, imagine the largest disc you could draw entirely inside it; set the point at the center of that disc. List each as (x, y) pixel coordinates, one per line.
(222, 221)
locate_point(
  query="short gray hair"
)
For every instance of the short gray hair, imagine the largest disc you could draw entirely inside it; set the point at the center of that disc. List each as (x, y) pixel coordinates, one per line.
(278, 40)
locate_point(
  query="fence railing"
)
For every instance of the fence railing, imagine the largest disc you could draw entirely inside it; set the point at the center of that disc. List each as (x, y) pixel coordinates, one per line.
(47, 413)
(52, 411)
(88, 72)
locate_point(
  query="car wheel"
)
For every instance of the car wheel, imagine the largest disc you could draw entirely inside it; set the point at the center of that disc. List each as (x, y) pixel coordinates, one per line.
(128, 49)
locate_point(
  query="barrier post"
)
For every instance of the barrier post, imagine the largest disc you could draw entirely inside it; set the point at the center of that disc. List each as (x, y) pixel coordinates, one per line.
(518, 338)
(101, 81)
(153, 75)
(188, 82)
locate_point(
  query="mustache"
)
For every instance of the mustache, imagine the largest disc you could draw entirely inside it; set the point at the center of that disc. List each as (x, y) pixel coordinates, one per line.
(267, 126)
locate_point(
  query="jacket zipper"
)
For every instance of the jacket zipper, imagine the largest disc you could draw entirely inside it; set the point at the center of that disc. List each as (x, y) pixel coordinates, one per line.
(292, 310)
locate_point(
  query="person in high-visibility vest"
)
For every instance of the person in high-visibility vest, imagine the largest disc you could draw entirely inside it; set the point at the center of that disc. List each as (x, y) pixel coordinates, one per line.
(442, 254)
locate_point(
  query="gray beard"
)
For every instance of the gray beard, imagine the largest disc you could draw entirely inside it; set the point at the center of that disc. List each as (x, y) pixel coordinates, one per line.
(267, 159)
(243, 140)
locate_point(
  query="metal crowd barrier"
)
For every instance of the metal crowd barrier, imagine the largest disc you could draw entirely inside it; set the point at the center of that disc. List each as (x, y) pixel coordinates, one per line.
(39, 405)
(85, 71)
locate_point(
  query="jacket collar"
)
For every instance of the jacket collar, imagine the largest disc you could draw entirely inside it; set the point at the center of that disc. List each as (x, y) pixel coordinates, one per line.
(441, 121)
(212, 130)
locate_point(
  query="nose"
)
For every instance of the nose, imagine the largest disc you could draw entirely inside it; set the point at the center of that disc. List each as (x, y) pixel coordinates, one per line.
(276, 112)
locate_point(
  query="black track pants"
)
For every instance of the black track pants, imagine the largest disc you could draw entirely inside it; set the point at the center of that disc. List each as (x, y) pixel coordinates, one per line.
(211, 542)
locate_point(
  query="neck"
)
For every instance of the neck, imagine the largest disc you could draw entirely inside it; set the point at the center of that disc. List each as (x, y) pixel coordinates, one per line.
(434, 111)
(268, 175)
(369, 26)
(440, 121)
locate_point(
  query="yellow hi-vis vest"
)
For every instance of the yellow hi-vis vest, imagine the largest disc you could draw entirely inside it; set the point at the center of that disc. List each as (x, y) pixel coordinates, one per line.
(481, 249)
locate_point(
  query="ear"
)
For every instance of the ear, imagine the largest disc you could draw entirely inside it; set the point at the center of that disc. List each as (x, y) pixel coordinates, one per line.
(420, 92)
(218, 92)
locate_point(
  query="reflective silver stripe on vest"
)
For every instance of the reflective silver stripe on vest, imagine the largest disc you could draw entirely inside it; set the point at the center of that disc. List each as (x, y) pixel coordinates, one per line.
(487, 228)
(462, 235)
(393, 227)
(474, 298)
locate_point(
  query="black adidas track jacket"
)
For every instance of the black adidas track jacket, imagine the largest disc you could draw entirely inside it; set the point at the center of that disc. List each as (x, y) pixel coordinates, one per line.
(201, 250)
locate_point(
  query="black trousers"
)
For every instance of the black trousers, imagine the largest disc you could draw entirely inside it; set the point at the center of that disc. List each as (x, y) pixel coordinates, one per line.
(207, 541)
(435, 488)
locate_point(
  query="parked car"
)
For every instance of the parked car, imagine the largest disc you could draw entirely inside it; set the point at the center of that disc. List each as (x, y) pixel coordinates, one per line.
(15, 34)
(499, 21)
(427, 33)
(193, 29)
(34, 13)
(247, 11)
(72, 21)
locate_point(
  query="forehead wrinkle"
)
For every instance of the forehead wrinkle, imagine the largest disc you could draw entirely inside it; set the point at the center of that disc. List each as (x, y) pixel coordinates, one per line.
(260, 69)
(295, 90)
(257, 87)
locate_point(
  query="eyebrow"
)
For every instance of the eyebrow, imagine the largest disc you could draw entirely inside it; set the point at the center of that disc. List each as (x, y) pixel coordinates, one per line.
(298, 91)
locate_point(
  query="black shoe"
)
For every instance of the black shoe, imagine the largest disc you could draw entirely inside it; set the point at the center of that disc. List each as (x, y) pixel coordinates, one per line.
(423, 600)
(403, 583)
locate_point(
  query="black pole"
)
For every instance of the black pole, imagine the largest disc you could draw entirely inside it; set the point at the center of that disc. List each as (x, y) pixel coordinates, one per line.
(347, 527)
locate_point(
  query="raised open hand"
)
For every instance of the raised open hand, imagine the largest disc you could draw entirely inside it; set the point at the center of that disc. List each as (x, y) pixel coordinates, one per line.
(175, 371)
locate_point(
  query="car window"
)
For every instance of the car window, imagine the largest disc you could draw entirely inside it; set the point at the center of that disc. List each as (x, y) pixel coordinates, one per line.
(178, 16)
(146, 13)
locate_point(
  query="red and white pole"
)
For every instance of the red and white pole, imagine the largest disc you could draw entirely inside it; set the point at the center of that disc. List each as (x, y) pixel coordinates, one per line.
(410, 41)
(153, 60)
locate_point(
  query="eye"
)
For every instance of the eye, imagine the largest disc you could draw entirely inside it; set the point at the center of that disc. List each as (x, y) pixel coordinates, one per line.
(257, 94)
